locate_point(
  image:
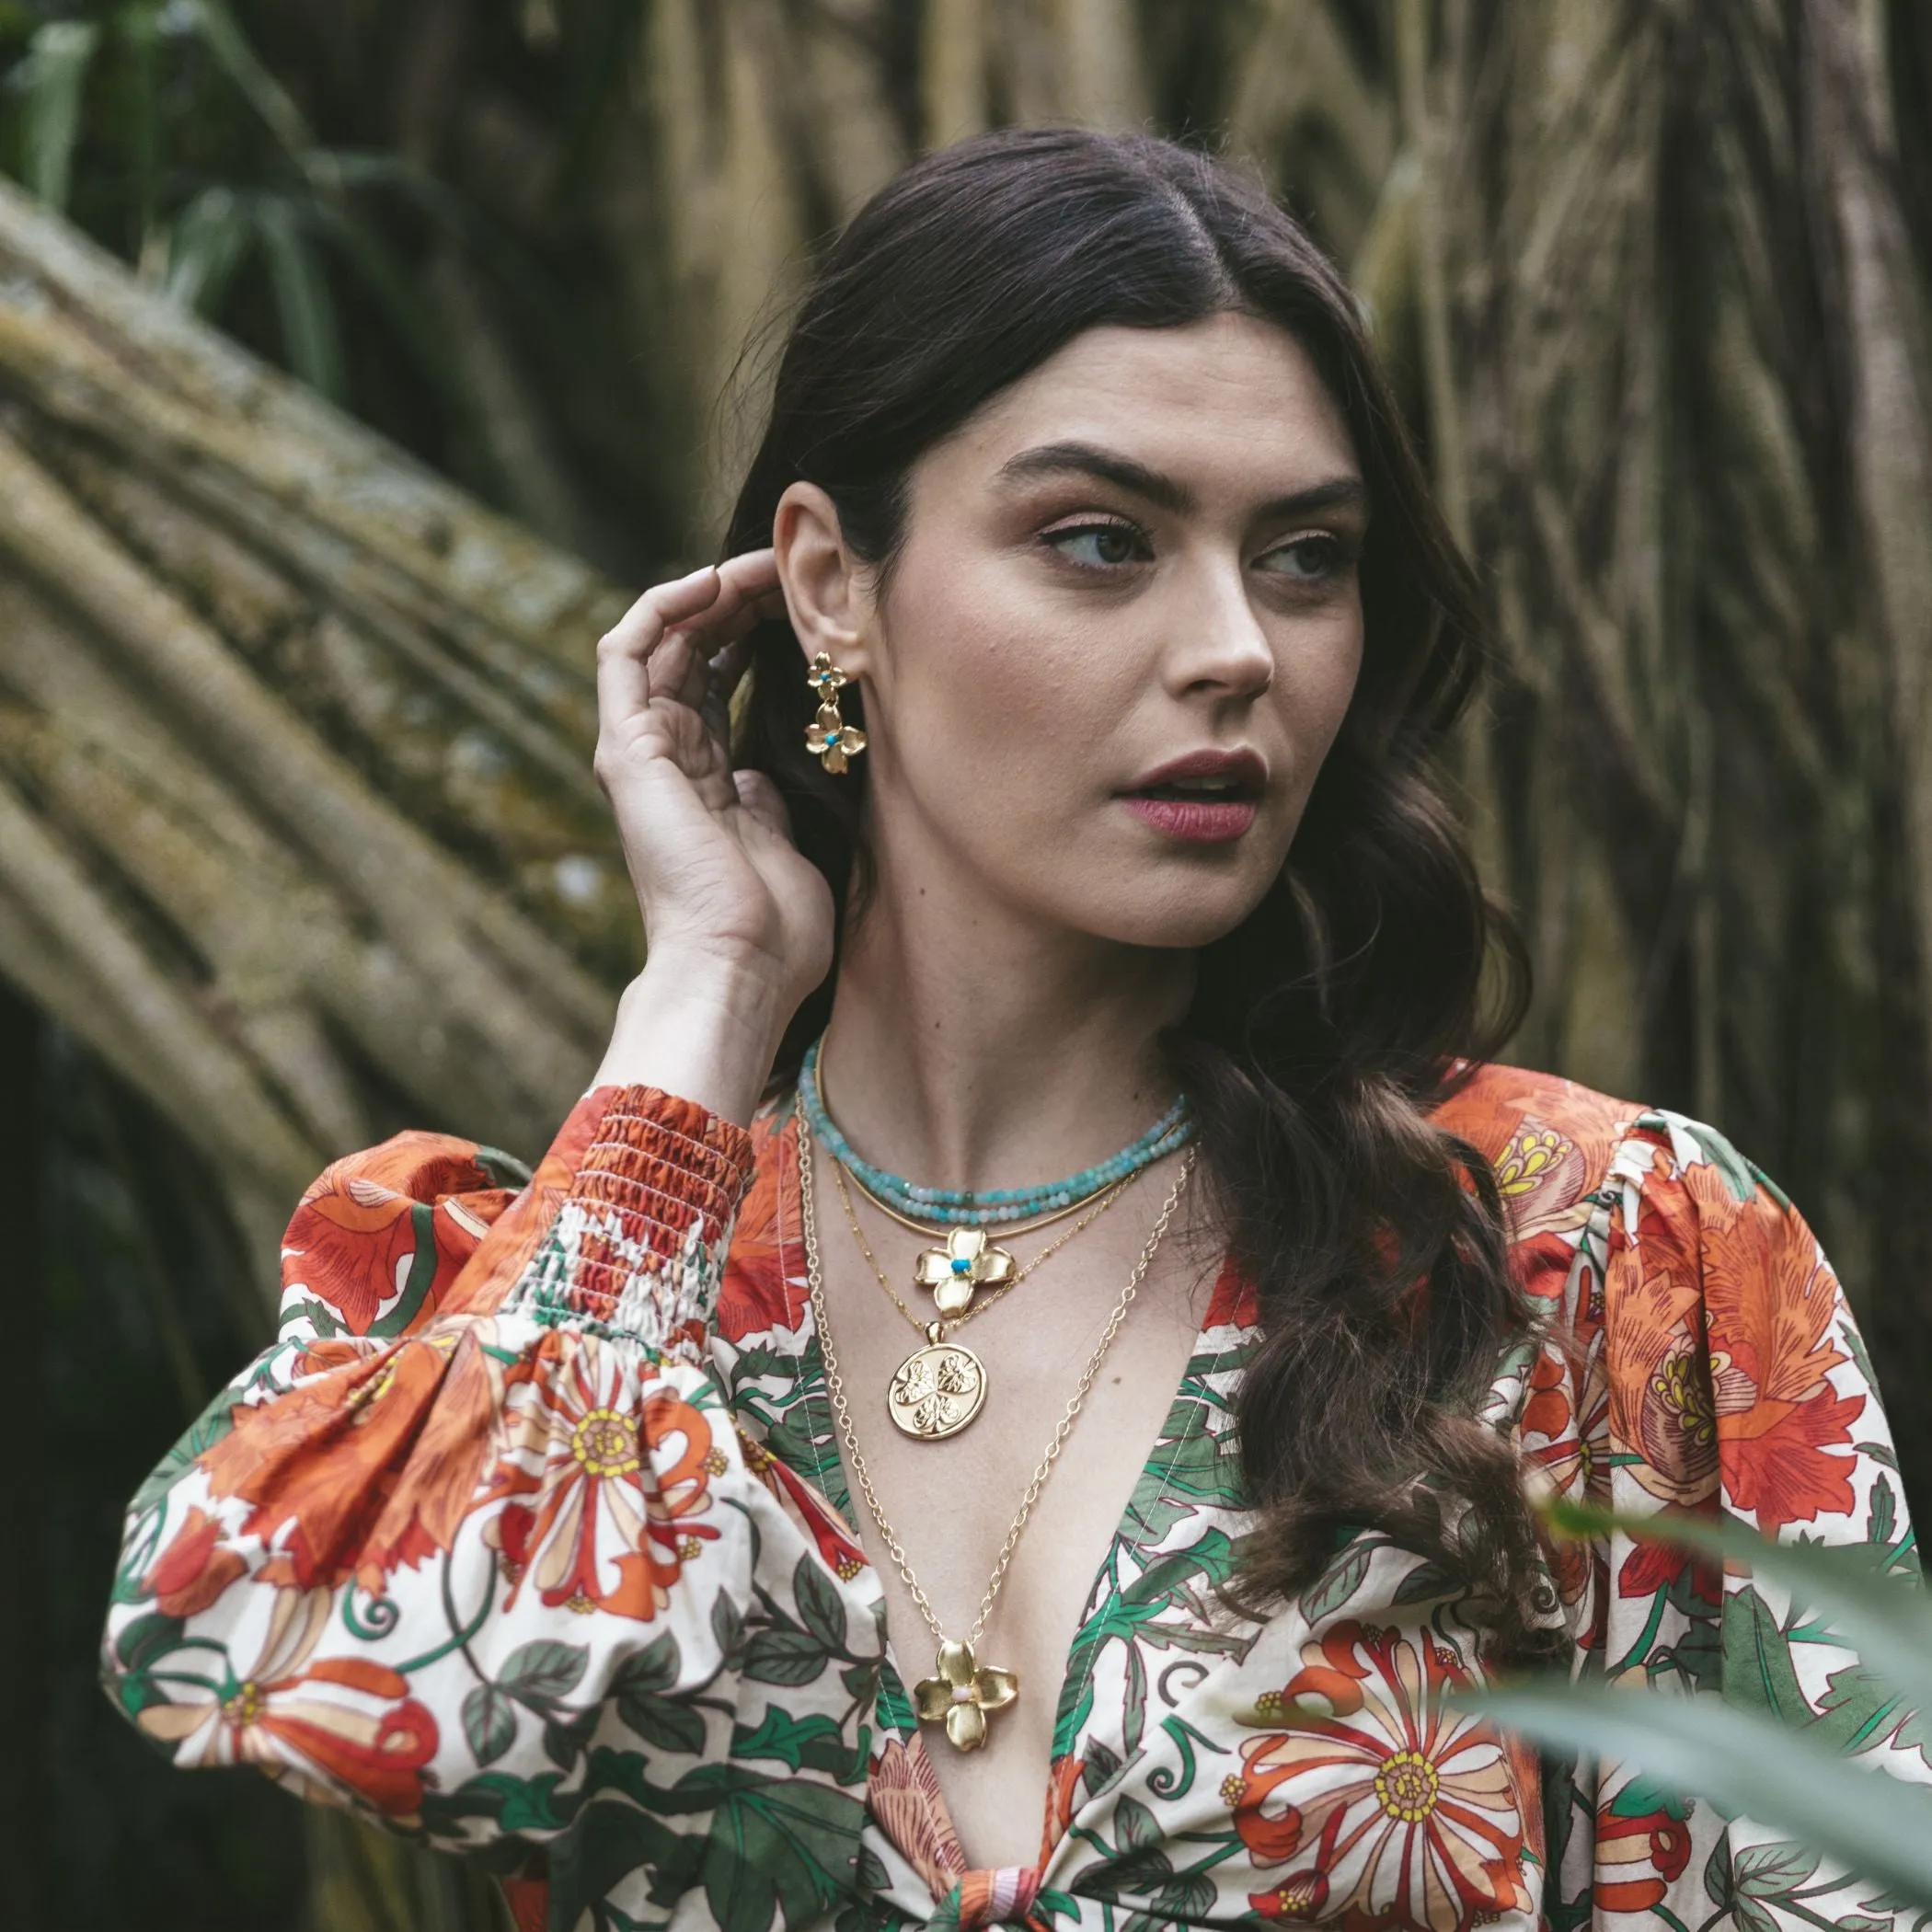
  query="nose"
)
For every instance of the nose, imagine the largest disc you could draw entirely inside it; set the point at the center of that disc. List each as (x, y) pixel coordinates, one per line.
(1219, 648)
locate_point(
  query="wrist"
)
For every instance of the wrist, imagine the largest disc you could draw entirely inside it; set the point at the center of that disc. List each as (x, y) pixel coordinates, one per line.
(702, 1024)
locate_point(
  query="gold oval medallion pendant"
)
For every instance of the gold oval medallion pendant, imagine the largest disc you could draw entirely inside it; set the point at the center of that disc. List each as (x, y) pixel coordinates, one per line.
(937, 1390)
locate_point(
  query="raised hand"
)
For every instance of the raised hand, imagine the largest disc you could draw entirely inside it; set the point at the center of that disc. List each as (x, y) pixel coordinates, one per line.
(738, 924)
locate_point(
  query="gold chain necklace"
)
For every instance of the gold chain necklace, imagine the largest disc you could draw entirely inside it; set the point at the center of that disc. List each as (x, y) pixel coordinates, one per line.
(963, 1260)
(961, 1690)
(938, 1389)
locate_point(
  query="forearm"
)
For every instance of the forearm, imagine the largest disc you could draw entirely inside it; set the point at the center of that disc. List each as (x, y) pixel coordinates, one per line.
(704, 1028)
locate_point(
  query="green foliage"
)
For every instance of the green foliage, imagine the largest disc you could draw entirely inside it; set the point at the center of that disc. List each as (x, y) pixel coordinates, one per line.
(160, 128)
(1763, 1752)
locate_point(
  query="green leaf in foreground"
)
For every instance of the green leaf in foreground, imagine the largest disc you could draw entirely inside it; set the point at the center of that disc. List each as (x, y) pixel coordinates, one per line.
(1882, 1616)
(1877, 1827)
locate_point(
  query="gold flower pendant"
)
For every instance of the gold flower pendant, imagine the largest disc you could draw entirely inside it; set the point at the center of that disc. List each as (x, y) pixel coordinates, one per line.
(967, 1261)
(962, 1694)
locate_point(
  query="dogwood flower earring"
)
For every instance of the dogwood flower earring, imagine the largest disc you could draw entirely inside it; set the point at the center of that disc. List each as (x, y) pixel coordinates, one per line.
(828, 737)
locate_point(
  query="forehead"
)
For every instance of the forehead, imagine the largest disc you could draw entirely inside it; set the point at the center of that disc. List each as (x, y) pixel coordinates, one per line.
(1228, 405)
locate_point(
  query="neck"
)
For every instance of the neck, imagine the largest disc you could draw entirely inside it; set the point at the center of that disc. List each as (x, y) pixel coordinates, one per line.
(986, 1048)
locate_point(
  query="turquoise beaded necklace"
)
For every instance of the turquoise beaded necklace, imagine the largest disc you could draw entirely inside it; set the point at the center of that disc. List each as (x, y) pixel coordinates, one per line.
(959, 1207)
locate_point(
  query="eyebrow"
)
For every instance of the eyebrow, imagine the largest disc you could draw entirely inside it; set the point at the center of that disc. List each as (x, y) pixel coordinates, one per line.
(1165, 493)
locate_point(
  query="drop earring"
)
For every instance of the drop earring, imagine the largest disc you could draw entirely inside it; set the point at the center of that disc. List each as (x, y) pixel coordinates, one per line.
(828, 737)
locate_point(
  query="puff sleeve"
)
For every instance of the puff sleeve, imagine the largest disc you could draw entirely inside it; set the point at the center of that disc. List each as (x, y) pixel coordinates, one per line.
(1720, 1370)
(475, 1548)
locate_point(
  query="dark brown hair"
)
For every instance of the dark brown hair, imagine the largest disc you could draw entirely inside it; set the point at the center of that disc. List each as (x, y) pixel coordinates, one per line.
(1329, 1023)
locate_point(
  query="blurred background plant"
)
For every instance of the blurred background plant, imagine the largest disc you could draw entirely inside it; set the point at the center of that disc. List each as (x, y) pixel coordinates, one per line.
(353, 355)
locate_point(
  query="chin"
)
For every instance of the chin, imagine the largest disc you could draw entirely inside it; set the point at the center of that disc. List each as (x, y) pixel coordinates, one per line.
(1188, 908)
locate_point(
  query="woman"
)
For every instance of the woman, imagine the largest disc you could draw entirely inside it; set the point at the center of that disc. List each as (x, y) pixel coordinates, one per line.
(1079, 826)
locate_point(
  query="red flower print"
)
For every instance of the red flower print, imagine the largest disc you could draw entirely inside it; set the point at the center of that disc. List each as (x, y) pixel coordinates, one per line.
(1637, 1860)
(1653, 1565)
(1772, 1306)
(1568, 1446)
(1402, 1810)
(591, 1522)
(758, 1294)
(368, 1463)
(1661, 1400)
(355, 1237)
(193, 1570)
(344, 1725)
(1300, 1897)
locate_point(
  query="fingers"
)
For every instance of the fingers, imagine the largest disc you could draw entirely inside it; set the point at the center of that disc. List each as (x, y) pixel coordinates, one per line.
(659, 645)
(623, 650)
(761, 799)
(746, 587)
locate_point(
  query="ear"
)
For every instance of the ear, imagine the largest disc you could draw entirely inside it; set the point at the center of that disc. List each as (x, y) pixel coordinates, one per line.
(827, 595)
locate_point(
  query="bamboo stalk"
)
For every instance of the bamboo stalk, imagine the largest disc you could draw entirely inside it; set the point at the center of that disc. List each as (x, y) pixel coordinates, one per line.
(422, 900)
(296, 448)
(182, 1062)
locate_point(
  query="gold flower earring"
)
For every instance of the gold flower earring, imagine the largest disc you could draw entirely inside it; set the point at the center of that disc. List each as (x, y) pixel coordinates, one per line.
(828, 737)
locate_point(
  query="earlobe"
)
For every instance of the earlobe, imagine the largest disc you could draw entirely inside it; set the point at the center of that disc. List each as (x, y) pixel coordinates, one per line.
(826, 595)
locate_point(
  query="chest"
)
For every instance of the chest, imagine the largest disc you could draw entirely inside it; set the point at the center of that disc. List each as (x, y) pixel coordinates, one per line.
(1002, 1529)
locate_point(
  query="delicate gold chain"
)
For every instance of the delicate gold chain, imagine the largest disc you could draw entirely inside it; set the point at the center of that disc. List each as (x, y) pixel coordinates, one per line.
(1005, 1230)
(980, 1302)
(842, 1407)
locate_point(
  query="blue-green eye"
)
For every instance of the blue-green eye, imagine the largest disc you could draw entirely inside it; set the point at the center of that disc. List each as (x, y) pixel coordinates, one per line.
(1306, 559)
(1098, 546)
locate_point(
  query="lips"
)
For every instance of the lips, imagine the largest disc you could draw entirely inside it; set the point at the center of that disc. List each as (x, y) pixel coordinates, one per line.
(1204, 798)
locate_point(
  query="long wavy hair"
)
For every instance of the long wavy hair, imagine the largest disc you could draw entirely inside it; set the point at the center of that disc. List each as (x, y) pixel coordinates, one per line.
(1328, 1024)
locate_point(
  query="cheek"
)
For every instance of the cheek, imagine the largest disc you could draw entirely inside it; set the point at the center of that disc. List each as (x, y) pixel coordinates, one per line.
(982, 676)
(1314, 686)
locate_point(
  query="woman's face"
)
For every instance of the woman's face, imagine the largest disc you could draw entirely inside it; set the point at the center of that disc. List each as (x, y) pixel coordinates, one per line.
(1122, 631)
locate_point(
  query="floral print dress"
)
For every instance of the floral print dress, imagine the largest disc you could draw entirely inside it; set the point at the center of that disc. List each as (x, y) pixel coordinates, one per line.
(529, 1536)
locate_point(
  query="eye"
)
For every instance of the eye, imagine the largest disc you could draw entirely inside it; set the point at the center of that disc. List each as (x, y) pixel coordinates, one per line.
(1099, 545)
(1312, 559)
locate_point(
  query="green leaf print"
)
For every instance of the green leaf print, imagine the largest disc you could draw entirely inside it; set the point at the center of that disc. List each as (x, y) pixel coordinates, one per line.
(1772, 1871)
(727, 1628)
(1641, 1796)
(565, 1737)
(1335, 1586)
(787, 1657)
(1858, 1710)
(148, 1639)
(1154, 1510)
(1102, 1766)
(1185, 1899)
(488, 1723)
(654, 1668)
(610, 1842)
(1884, 1518)
(812, 1743)
(1136, 1824)
(819, 1605)
(1759, 1674)
(663, 1723)
(762, 1853)
(1717, 1885)
(539, 1673)
(422, 1272)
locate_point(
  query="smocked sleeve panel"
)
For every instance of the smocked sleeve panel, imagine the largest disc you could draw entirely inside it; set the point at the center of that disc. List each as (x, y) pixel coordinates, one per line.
(475, 1546)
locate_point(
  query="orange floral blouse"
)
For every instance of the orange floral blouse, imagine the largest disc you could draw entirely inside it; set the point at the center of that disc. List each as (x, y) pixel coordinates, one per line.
(528, 1537)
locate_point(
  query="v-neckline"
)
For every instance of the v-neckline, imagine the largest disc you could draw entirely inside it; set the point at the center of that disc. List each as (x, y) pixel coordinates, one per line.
(827, 1474)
